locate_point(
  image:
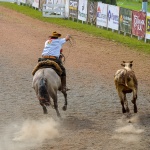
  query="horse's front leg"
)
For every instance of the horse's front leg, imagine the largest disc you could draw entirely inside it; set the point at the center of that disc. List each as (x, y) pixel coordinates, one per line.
(65, 104)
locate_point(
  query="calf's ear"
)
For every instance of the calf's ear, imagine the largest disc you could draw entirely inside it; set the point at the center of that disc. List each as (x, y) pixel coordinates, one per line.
(131, 62)
(123, 65)
(123, 61)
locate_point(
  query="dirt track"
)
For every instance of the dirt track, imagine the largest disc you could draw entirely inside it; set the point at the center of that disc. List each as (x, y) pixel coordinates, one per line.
(94, 120)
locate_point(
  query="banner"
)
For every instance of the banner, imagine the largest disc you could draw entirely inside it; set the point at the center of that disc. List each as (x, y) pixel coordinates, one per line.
(138, 23)
(29, 2)
(73, 8)
(91, 12)
(66, 8)
(35, 3)
(58, 2)
(113, 17)
(82, 10)
(148, 26)
(101, 17)
(125, 23)
(49, 1)
(22, 1)
(41, 4)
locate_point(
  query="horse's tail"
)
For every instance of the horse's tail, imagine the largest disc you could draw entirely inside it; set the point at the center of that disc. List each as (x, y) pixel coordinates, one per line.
(42, 91)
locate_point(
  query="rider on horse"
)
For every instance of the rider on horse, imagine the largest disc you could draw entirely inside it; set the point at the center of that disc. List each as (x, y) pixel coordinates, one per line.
(52, 51)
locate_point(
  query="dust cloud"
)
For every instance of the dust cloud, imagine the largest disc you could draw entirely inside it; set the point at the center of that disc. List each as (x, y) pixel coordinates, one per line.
(30, 134)
(127, 129)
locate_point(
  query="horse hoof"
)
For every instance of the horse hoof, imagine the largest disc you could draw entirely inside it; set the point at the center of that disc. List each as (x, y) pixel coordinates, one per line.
(135, 110)
(64, 108)
(127, 110)
(58, 115)
(45, 112)
(123, 111)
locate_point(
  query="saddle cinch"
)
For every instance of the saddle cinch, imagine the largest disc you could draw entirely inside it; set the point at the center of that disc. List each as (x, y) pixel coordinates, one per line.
(47, 64)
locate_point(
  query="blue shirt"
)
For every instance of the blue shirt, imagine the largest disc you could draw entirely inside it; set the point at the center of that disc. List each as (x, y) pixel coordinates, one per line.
(53, 47)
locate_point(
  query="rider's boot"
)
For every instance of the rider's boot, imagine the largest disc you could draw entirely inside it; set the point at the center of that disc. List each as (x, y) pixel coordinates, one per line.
(63, 83)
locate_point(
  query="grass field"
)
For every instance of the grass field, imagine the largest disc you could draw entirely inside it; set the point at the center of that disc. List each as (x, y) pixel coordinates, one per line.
(139, 45)
(132, 4)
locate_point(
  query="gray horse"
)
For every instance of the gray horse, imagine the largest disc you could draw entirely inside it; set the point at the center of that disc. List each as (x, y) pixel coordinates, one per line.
(46, 84)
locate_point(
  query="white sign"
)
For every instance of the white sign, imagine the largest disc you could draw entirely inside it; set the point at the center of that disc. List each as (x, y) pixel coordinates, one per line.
(113, 17)
(101, 19)
(67, 8)
(35, 4)
(82, 10)
(59, 2)
(49, 2)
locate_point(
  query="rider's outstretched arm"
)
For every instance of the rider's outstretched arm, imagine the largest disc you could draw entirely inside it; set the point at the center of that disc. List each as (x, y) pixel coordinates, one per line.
(68, 37)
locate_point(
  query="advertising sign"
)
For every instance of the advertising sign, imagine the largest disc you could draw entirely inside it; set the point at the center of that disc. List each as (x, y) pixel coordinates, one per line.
(82, 10)
(148, 26)
(138, 23)
(35, 3)
(125, 23)
(73, 8)
(91, 13)
(113, 17)
(101, 17)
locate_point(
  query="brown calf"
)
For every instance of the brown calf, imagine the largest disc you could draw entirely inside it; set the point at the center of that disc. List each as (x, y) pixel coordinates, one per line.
(126, 82)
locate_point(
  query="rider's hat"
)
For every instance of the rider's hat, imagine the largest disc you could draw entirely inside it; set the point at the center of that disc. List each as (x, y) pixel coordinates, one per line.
(55, 35)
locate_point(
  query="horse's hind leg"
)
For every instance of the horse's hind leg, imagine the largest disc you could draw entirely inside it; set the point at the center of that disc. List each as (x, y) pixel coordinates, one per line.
(56, 107)
(65, 104)
(44, 109)
(54, 97)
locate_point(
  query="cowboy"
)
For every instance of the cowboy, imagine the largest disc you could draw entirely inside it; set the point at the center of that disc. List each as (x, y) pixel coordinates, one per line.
(52, 51)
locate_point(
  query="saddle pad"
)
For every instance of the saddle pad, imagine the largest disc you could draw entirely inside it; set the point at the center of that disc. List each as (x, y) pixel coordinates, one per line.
(50, 63)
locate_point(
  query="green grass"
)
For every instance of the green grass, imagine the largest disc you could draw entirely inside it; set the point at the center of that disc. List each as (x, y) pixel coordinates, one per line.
(92, 30)
(132, 4)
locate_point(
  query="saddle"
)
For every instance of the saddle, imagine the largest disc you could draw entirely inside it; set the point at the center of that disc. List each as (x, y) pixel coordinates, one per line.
(47, 64)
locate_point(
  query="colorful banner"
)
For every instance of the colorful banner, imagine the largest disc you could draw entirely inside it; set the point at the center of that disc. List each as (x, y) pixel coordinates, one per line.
(73, 8)
(138, 23)
(148, 26)
(101, 17)
(91, 12)
(125, 23)
(113, 17)
(82, 10)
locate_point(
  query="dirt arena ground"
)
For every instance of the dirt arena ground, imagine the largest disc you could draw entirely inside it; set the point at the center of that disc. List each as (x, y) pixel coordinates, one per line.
(93, 120)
